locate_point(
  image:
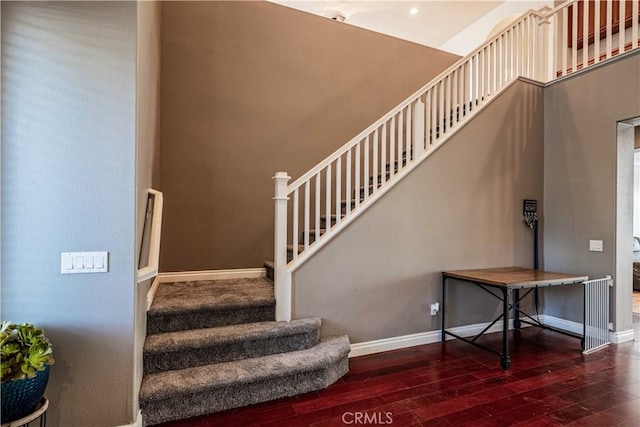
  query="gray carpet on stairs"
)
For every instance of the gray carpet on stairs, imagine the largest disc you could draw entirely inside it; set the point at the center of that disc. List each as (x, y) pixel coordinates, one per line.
(210, 303)
(183, 349)
(195, 391)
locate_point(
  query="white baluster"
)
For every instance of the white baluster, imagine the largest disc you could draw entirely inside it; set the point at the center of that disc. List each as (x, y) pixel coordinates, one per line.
(317, 207)
(441, 113)
(447, 102)
(482, 76)
(400, 133)
(596, 32)
(357, 186)
(609, 28)
(327, 201)
(408, 127)
(454, 98)
(585, 33)
(462, 78)
(634, 23)
(621, 29)
(427, 119)
(295, 229)
(574, 37)
(375, 159)
(282, 277)
(347, 179)
(434, 114)
(339, 190)
(565, 40)
(305, 221)
(418, 129)
(383, 155)
(366, 163)
(392, 148)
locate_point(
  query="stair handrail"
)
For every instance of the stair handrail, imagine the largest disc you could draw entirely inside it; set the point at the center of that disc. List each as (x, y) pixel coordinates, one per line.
(155, 228)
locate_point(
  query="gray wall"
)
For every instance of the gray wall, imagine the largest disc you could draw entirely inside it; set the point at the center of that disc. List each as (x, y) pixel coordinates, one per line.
(581, 114)
(68, 184)
(148, 148)
(461, 208)
(252, 88)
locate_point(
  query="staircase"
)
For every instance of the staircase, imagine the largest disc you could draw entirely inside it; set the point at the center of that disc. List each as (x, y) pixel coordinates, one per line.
(540, 46)
(214, 345)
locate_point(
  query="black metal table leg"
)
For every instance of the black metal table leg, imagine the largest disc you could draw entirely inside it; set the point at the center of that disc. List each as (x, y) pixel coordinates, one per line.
(444, 280)
(505, 360)
(516, 305)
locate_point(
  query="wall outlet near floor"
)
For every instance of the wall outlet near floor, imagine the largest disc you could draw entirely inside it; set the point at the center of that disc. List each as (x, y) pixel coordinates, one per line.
(435, 308)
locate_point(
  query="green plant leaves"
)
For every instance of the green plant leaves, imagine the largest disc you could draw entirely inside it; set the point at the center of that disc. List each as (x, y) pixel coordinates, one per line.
(24, 351)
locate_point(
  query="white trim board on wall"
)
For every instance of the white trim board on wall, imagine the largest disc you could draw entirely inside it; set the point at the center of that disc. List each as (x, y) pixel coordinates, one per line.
(190, 276)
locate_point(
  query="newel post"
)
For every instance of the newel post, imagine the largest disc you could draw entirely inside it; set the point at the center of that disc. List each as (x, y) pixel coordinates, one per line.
(546, 50)
(282, 277)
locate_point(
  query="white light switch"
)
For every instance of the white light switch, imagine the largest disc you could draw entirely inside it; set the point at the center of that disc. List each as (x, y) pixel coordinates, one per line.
(595, 245)
(84, 262)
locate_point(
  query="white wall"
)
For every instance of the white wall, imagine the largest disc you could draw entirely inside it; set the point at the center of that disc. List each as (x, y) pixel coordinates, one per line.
(148, 141)
(476, 34)
(68, 184)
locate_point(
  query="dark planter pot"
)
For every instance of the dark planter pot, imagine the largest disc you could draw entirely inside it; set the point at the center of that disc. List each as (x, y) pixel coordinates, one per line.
(21, 397)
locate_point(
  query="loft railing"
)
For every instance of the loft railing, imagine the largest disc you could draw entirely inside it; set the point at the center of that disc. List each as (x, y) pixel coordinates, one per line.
(150, 245)
(541, 45)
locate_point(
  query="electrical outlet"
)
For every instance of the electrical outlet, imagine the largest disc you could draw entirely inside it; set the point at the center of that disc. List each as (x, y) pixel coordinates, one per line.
(435, 308)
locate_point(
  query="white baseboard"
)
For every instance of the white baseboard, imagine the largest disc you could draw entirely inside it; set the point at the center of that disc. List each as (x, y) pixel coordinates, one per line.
(136, 423)
(621, 336)
(185, 276)
(566, 325)
(395, 343)
(576, 327)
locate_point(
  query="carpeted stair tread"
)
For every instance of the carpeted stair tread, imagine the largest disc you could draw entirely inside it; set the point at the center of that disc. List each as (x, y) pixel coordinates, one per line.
(181, 297)
(181, 306)
(195, 338)
(184, 349)
(171, 384)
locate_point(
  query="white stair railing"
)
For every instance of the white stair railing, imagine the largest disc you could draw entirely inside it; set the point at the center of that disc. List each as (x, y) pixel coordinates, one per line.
(328, 197)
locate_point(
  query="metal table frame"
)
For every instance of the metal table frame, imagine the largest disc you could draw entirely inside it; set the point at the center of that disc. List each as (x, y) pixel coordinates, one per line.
(507, 290)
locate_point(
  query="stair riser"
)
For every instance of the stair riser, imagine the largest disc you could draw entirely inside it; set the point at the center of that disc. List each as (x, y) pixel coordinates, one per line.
(209, 319)
(220, 399)
(228, 352)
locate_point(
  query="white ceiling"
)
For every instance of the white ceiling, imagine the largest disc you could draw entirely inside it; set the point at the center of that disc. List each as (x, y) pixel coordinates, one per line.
(453, 25)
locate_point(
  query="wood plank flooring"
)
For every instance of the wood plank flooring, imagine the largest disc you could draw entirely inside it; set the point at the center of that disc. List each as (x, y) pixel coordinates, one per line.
(550, 383)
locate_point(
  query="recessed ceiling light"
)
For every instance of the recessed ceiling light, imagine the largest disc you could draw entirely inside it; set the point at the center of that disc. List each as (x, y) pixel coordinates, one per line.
(414, 11)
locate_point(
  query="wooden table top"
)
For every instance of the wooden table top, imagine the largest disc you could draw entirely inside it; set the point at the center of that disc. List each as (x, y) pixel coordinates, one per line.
(515, 277)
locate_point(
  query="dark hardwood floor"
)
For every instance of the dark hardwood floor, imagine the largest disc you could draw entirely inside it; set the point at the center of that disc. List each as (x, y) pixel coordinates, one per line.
(549, 383)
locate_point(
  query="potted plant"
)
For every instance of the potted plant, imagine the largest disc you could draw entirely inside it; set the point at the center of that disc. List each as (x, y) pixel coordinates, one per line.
(26, 355)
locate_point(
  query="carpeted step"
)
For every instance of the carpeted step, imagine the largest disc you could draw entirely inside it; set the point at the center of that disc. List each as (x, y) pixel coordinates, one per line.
(198, 347)
(210, 303)
(186, 393)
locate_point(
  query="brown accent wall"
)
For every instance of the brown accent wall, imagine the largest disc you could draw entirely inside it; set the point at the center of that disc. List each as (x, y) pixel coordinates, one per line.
(636, 143)
(461, 208)
(252, 88)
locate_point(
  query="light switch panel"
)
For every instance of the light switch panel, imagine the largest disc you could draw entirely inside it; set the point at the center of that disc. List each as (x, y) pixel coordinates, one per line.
(84, 262)
(595, 245)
